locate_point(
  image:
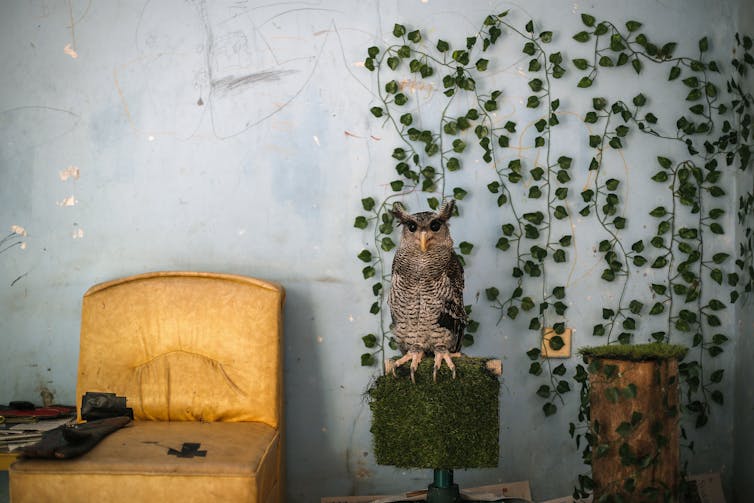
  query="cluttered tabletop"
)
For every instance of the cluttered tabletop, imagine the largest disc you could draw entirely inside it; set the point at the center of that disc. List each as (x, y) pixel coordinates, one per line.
(23, 423)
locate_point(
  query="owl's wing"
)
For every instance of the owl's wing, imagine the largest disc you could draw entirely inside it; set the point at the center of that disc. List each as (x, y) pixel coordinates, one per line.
(453, 316)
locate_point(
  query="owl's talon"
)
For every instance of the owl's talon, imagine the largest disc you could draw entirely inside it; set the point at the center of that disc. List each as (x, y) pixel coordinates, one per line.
(448, 359)
(415, 357)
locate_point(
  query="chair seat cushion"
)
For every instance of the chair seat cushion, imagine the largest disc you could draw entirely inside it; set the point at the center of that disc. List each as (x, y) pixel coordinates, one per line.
(134, 464)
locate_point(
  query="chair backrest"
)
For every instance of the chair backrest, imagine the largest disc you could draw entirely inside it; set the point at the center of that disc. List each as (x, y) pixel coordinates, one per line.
(186, 346)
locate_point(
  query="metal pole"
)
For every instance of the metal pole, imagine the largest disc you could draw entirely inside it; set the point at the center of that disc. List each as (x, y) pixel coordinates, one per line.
(443, 490)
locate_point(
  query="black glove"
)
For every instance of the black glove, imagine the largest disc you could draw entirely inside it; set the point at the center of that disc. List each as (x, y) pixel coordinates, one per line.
(65, 442)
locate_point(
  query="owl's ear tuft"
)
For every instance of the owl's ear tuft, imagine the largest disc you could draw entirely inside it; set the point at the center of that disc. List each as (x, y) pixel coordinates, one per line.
(446, 210)
(399, 212)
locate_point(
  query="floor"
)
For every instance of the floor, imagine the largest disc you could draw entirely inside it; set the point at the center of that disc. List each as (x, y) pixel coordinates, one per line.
(4, 497)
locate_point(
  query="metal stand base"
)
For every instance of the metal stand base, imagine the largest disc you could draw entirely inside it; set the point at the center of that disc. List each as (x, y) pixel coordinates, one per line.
(443, 490)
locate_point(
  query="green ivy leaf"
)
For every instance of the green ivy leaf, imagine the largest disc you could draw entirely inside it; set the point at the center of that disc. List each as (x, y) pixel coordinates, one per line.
(660, 177)
(549, 409)
(563, 386)
(624, 429)
(584, 82)
(367, 203)
(365, 255)
(606, 61)
(465, 247)
(360, 222)
(387, 244)
(492, 293)
(657, 308)
(659, 263)
(581, 63)
(703, 44)
(719, 258)
(544, 391)
(636, 64)
(714, 351)
(635, 306)
(582, 36)
(659, 212)
(370, 340)
(535, 368)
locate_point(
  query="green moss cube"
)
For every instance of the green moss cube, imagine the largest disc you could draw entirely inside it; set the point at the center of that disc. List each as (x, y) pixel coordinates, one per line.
(448, 424)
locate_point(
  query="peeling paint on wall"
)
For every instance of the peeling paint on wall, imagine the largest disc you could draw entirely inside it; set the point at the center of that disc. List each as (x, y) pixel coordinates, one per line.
(70, 51)
(17, 229)
(68, 201)
(70, 172)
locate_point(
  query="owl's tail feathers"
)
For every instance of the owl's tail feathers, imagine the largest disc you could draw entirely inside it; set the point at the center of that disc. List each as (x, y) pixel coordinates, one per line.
(414, 356)
(444, 356)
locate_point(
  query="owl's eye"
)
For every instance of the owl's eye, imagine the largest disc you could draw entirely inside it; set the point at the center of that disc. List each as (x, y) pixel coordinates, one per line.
(411, 226)
(435, 225)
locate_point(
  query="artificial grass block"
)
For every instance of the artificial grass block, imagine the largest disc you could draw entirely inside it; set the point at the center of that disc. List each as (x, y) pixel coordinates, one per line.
(636, 352)
(448, 424)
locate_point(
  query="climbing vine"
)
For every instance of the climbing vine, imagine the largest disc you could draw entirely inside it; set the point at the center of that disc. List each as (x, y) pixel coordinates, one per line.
(697, 152)
(431, 149)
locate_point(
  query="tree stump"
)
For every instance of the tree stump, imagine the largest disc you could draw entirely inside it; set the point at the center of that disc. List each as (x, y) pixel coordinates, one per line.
(634, 420)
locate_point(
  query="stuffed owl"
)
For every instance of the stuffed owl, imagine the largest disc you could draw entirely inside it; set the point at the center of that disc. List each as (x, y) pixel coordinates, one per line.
(426, 294)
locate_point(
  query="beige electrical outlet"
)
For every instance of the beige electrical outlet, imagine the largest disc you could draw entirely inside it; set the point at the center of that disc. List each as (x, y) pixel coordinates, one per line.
(565, 351)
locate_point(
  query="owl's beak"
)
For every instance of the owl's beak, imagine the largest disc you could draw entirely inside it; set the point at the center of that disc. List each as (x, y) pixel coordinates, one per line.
(423, 241)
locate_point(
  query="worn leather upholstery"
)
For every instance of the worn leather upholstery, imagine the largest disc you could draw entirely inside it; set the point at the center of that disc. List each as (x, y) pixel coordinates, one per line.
(199, 358)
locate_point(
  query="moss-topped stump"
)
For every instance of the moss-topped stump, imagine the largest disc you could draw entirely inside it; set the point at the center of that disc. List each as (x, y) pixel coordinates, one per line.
(636, 352)
(635, 409)
(448, 424)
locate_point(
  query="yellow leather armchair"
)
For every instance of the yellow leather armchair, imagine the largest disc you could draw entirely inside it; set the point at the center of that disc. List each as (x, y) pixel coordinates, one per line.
(199, 357)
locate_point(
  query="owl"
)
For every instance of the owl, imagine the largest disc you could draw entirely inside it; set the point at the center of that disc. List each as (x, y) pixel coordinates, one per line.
(426, 293)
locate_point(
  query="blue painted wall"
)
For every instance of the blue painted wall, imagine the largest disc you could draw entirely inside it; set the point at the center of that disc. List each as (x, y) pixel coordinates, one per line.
(234, 136)
(743, 474)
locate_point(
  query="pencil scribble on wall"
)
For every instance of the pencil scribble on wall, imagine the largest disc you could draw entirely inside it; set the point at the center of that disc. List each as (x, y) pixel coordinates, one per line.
(228, 68)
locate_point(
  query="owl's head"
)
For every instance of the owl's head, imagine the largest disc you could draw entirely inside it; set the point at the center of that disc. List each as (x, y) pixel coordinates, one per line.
(425, 229)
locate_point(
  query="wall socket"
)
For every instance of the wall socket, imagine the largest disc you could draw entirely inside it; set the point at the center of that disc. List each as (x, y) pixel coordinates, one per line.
(565, 351)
